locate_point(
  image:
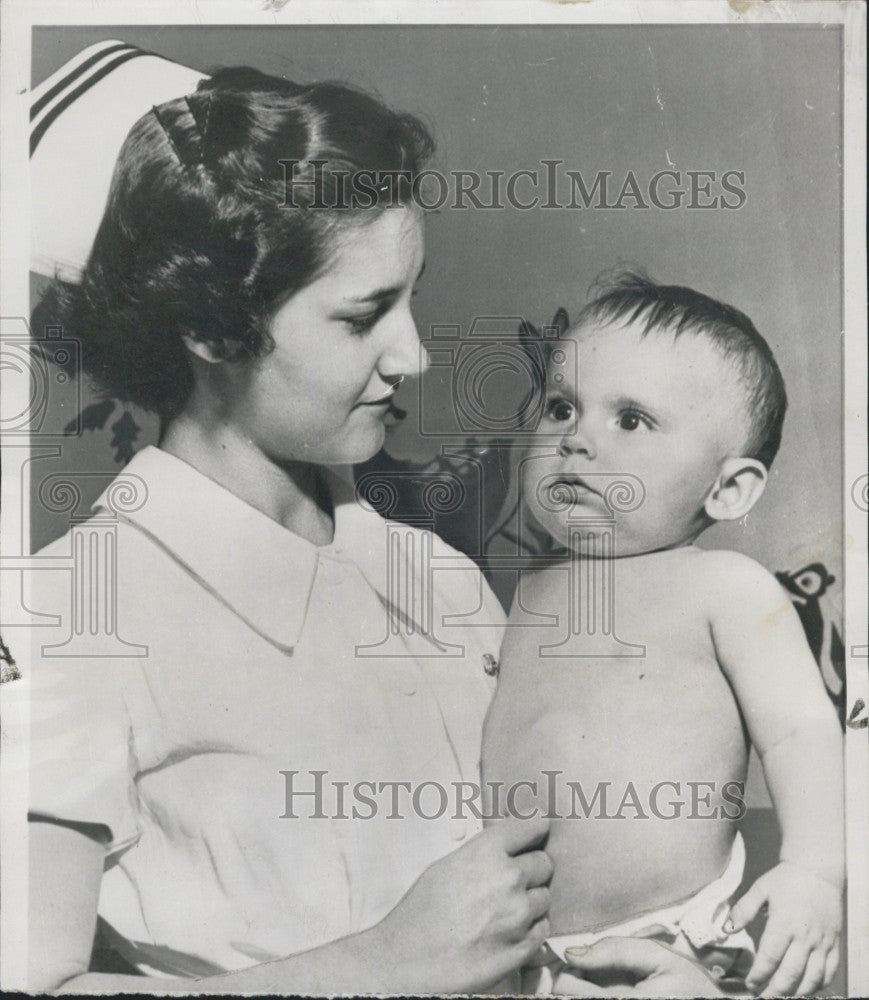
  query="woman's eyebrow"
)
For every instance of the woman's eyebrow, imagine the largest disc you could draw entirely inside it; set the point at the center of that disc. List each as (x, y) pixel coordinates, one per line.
(389, 292)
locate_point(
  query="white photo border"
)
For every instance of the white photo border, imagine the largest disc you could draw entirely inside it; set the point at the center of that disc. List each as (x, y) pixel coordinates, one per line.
(20, 16)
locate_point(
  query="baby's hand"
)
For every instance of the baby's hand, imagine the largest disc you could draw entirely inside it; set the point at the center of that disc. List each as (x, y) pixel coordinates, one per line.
(799, 950)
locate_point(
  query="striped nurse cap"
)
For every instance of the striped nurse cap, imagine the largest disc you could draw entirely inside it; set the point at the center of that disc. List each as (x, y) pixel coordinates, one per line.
(79, 118)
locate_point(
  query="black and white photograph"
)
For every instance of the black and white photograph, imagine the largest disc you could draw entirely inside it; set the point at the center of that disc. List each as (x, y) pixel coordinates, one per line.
(434, 499)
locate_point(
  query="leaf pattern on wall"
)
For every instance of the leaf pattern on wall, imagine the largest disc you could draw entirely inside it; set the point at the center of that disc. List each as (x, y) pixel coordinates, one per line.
(125, 433)
(92, 417)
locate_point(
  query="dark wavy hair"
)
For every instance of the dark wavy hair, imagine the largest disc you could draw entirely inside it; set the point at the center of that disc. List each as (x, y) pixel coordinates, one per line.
(198, 238)
(626, 295)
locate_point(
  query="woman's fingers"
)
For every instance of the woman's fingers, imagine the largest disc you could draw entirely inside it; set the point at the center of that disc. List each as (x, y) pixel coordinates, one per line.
(635, 956)
(568, 985)
(538, 932)
(531, 943)
(529, 909)
(528, 944)
(518, 835)
(536, 867)
(652, 968)
(538, 902)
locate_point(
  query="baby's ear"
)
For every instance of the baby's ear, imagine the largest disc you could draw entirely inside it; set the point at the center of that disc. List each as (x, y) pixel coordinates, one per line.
(737, 488)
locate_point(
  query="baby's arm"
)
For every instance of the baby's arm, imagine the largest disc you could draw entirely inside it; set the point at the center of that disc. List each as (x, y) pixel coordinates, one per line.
(762, 650)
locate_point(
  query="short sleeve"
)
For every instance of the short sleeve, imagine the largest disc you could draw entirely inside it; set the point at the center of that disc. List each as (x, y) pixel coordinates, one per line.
(82, 762)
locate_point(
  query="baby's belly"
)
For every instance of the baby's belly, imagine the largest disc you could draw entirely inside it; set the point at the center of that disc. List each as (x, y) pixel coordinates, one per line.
(630, 845)
(639, 767)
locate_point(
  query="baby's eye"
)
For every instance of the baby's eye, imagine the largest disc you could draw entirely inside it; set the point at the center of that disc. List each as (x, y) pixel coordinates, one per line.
(632, 420)
(561, 410)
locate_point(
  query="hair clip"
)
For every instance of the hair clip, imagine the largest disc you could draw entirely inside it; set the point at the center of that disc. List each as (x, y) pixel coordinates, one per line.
(201, 126)
(189, 148)
(156, 112)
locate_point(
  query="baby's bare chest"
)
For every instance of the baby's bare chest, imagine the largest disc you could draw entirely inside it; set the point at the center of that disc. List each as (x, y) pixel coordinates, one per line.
(646, 694)
(653, 619)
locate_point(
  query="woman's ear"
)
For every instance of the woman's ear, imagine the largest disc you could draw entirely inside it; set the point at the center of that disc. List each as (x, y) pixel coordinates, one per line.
(202, 349)
(737, 488)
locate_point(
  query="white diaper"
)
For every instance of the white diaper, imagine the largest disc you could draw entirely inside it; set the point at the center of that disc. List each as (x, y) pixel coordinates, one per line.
(694, 927)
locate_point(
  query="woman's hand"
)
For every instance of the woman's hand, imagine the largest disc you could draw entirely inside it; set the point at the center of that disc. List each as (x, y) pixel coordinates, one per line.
(472, 917)
(639, 968)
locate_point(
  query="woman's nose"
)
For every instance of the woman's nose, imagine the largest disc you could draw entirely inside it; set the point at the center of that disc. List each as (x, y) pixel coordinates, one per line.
(404, 354)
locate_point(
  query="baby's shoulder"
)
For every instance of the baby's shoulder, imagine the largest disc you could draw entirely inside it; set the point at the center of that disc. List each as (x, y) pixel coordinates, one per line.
(732, 579)
(729, 565)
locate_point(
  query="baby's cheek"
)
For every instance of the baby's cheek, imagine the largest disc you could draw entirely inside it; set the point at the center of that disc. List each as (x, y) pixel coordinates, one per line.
(553, 523)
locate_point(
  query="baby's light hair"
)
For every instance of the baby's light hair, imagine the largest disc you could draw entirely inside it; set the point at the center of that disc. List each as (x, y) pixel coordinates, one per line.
(628, 295)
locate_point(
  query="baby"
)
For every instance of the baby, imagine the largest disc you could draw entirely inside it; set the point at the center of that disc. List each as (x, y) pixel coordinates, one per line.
(628, 720)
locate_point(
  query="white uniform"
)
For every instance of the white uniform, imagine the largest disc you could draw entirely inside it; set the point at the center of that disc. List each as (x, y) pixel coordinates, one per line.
(253, 672)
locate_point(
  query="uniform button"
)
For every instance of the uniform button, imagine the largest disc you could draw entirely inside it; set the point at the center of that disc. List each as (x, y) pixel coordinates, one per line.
(408, 684)
(490, 665)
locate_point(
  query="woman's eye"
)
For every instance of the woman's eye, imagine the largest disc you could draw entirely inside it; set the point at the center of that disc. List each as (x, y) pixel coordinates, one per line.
(359, 325)
(561, 410)
(630, 420)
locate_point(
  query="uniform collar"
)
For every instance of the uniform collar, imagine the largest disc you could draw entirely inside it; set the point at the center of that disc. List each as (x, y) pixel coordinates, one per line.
(262, 571)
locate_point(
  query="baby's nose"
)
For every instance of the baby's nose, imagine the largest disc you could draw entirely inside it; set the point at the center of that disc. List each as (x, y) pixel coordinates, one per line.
(577, 442)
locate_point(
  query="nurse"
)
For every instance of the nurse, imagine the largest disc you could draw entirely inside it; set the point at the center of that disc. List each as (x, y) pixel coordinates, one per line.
(175, 794)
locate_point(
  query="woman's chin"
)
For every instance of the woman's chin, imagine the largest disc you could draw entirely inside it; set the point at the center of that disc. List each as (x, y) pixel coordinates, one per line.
(353, 443)
(364, 445)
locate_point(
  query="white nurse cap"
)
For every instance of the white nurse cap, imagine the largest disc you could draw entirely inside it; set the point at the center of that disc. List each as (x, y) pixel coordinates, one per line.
(79, 118)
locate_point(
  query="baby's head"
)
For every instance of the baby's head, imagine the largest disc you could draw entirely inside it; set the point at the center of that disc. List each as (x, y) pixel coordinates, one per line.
(677, 394)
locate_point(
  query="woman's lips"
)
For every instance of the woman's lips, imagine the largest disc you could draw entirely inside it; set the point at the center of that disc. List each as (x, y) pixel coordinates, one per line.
(384, 404)
(382, 400)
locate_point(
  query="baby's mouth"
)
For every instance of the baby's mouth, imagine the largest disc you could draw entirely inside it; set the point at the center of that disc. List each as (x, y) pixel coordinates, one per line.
(570, 490)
